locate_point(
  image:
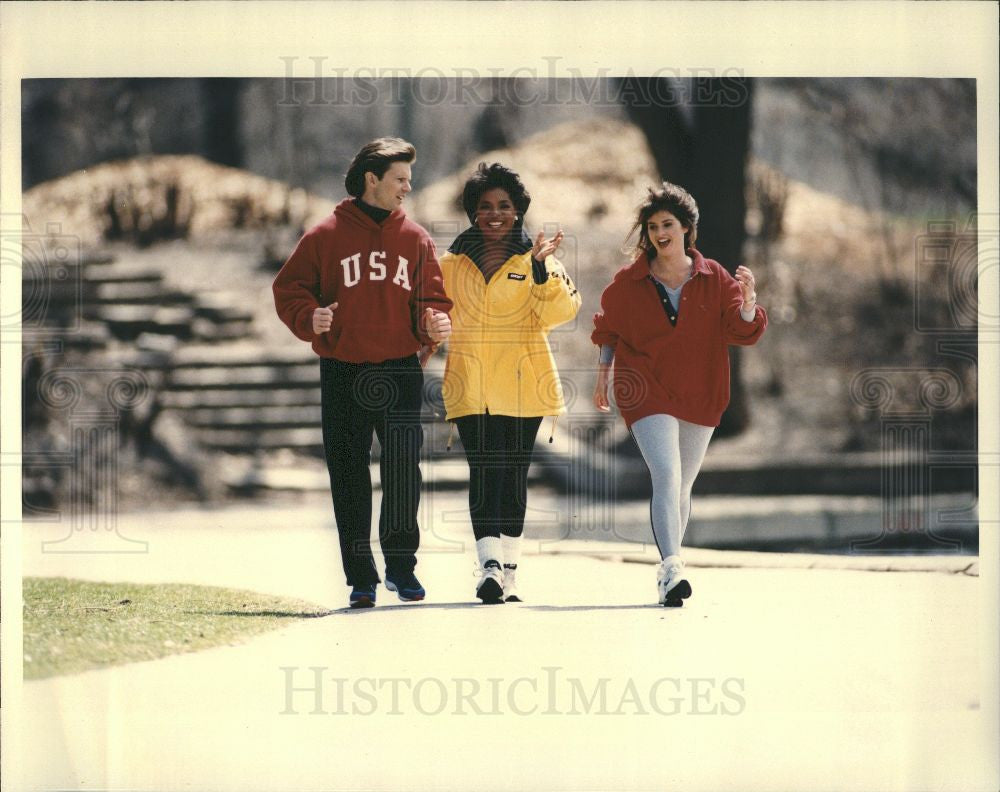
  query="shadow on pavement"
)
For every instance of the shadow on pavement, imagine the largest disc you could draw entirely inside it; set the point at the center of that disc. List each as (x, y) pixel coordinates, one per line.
(463, 605)
(564, 608)
(275, 614)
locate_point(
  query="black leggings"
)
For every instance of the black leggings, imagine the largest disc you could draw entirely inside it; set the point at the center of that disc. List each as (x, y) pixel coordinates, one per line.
(498, 449)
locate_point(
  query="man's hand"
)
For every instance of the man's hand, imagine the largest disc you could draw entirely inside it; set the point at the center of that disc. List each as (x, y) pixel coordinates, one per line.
(323, 318)
(437, 325)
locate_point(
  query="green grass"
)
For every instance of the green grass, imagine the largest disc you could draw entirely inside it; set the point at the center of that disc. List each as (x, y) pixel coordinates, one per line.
(76, 625)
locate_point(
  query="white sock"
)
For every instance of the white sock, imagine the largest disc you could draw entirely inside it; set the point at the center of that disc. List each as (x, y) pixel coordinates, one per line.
(489, 549)
(511, 549)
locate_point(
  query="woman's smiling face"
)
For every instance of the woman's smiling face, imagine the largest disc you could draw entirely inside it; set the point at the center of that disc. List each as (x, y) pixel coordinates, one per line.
(495, 214)
(665, 233)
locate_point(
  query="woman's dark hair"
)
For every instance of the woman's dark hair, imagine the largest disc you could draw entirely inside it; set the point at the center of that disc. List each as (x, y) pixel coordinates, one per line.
(670, 198)
(376, 157)
(491, 177)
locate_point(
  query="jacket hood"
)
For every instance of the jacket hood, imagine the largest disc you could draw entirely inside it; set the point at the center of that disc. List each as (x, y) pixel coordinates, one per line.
(470, 243)
(348, 211)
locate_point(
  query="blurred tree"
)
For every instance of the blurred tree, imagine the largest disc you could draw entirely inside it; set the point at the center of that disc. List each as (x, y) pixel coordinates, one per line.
(495, 127)
(698, 131)
(222, 130)
(933, 155)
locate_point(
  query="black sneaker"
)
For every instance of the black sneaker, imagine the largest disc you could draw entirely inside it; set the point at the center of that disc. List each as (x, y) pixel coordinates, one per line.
(406, 585)
(363, 596)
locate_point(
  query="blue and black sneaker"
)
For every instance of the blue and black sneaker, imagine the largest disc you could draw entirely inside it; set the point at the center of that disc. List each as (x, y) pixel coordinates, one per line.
(363, 596)
(406, 585)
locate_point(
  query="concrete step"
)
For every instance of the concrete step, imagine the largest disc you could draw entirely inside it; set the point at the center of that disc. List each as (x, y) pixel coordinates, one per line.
(256, 418)
(842, 524)
(128, 322)
(224, 304)
(121, 273)
(277, 397)
(248, 477)
(304, 436)
(214, 331)
(98, 258)
(87, 336)
(238, 441)
(868, 473)
(56, 294)
(245, 377)
(308, 442)
(222, 314)
(69, 282)
(140, 293)
(238, 356)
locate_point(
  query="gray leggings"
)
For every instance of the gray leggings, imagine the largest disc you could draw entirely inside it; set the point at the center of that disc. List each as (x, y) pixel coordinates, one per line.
(673, 450)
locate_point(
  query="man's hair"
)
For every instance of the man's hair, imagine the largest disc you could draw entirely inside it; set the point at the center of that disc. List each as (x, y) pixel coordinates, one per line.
(668, 198)
(376, 157)
(490, 177)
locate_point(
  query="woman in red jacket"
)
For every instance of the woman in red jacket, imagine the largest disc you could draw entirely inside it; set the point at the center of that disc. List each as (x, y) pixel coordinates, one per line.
(666, 322)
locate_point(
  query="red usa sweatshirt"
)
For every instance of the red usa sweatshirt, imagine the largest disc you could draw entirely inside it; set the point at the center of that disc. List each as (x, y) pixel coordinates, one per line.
(681, 370)
(383, 277)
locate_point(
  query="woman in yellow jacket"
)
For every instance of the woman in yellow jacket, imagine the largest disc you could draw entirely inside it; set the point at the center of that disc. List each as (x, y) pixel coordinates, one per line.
(500, 378)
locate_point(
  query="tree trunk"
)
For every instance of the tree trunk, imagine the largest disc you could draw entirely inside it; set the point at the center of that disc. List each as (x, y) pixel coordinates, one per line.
(222, 136)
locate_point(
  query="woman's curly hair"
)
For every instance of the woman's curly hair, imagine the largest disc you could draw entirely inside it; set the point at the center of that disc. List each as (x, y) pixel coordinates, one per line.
(491, 177)
(670, 198)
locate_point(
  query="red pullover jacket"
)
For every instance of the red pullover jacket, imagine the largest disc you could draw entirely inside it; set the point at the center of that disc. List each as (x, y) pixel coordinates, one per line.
(383, 278)
(681, 370)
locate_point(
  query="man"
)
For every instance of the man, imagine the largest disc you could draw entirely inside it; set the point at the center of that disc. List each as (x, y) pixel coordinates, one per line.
(364, 287)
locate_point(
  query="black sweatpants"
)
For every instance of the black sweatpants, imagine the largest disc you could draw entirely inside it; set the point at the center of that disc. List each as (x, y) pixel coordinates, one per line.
(498, 449)
(359, 398)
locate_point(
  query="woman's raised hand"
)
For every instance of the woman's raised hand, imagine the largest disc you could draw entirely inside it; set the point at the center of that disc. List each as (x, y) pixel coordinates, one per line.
(748, 286)
(545, 247)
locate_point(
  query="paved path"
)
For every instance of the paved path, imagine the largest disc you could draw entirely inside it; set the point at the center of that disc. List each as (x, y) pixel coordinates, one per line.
(771, 676)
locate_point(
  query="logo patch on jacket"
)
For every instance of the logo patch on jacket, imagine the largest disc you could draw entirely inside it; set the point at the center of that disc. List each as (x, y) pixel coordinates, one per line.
(516, 276)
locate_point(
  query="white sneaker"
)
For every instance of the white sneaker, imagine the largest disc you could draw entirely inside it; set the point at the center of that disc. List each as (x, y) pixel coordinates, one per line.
(510, 583)
(671, 587)
(490, 587)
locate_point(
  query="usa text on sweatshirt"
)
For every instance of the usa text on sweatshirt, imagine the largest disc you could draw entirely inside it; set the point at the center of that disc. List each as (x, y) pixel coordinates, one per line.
(382, 276)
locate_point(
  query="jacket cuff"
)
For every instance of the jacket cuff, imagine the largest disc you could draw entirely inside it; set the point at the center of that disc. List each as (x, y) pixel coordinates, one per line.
(304, 325)
(538, 271)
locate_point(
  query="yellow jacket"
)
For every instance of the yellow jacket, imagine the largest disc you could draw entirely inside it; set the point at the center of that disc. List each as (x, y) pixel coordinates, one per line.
(498, 352)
